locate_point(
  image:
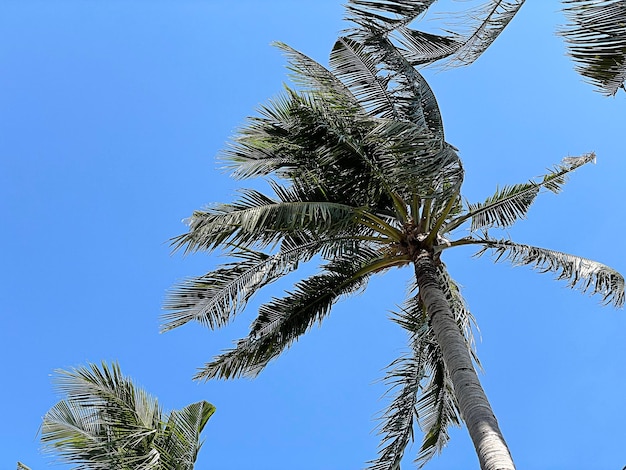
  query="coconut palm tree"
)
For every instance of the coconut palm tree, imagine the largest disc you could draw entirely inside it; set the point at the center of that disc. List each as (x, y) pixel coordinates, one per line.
(363, 181)
(108, 422)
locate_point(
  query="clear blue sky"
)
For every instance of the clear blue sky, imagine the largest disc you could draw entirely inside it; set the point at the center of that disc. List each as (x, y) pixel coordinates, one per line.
(111, 114)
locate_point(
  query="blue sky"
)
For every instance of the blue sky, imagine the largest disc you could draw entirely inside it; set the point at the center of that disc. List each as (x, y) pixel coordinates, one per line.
(111, 114)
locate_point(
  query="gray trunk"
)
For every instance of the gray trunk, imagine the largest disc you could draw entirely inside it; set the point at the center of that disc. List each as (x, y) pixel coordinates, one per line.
(493, 453)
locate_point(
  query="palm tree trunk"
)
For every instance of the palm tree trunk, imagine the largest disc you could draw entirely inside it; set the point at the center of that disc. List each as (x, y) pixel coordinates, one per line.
(493, 453)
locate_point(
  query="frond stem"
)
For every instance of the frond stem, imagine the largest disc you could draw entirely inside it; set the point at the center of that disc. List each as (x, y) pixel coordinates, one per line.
(439, 222)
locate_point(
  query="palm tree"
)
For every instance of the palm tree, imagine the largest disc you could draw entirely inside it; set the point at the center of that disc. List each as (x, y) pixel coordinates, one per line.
(108, 422)
(364, 181)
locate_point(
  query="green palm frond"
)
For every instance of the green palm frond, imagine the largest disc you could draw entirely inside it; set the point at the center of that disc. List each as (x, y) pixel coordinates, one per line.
(512, 203)
(596, 41)
(505, 207)
(412, 161)
(281, 321)
(258, 220)
(420, 48)
(387, 83)
(483, 25)
(385, 15)
(312, 77)
(403, 376)
(358, 68)
(338, 160)
(180, 441)
(93, 385)
(438, 410)
(477, 28)
(415, 100)
(311, 145)
(74, 433)
(292, 132)
(363, 169)
(215, 298)
(581, 273)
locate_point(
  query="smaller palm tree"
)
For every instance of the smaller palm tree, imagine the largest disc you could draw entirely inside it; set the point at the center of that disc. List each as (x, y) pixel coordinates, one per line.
(106, 422)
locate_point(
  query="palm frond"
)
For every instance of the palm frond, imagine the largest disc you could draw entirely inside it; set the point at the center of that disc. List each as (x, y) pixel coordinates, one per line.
(512, 203)
(215, 298)
(596, 41)
(580, 273)
(403, 378)
(292, 132)
(307, 143)
(505, 207)
(414, 162)
(339, 151)
(312, 77)
(339, 161)
(279, 136)
(414, 98)
(385, 15)
(180, 440)
(402, 148)
(483, 25)
(439, 411)
(74, 432)
(400, 91)
(97, 386)
(263, 146)
(416, 140)
(352, 62)
(283, 320)
(421, 48)
(258, 220)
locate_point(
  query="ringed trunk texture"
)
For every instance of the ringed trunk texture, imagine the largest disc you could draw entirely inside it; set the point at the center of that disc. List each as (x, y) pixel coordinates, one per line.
(493, 453)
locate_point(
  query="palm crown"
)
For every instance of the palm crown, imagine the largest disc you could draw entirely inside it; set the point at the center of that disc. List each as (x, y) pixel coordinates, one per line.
(107, 422)
(364, 180)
